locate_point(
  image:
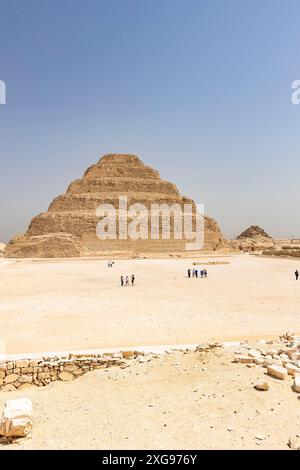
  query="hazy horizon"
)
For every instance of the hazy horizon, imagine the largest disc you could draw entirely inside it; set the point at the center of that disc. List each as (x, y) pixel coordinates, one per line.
(199, 90)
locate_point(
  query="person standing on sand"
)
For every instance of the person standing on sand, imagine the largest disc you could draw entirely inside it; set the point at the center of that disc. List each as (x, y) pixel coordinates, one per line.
(132, 279)
(189, 273)
(122, 281)
(205, 273)
(126, 281)
(196, 272)
(296, 274)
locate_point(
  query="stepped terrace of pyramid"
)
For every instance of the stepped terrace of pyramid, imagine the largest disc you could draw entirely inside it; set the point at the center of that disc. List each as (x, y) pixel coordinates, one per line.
(68, 228)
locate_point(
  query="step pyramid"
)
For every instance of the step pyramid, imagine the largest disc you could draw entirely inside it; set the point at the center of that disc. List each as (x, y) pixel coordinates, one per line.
(68, 228)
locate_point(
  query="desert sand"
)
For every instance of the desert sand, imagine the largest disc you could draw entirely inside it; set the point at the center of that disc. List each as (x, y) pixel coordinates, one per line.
(176, 401)
(62, 305)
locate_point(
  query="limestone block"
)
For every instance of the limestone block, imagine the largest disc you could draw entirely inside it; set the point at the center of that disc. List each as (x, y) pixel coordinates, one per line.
(296, 385)
(17, 418)
(66, 376)
(11, 378)
(33, 363)
(25, 379)
(292, 369)
(254, 353)
(259, 362)
(243, 359)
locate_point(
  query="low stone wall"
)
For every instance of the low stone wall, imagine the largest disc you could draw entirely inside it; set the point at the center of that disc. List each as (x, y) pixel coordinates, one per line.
(23, 373)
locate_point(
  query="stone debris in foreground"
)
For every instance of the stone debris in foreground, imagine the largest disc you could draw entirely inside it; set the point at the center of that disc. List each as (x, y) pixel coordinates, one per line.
(69, 227)
(17, 418)
(262, 385)
(206, 347)
(294, 443)
(296, 385)
(243, 359)
(292, 369)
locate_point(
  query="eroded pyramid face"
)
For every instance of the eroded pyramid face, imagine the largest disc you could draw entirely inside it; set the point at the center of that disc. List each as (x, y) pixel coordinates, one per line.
(69, 227)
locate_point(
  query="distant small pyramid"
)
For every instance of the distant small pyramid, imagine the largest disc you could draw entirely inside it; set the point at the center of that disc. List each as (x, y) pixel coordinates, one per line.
(254, 238)
(68, 228)
(254, 232)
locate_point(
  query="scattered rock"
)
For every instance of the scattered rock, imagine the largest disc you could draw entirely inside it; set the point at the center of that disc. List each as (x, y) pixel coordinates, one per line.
(17, 418)
(243, 359)
(292, 369)
(294, 443)
(202, 348)
(262, 385)
(260, 437)
(254, 353)
(259, 362)
(127, 354)
(22, 363)
(66, 376)
(277, 371)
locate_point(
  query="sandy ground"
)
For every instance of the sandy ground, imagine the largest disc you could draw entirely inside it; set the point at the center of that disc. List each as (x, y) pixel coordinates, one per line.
(78, 304)
(177, 401)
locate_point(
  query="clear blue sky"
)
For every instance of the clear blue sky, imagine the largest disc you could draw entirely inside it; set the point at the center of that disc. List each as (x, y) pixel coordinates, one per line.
(200, 90)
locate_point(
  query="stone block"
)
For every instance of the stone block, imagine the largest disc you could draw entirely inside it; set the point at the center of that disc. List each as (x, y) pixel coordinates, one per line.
(25, 379)
(243, 359)
(22, 363)
(66, 376)
(296, 385)
(261, 385)
(292, 369)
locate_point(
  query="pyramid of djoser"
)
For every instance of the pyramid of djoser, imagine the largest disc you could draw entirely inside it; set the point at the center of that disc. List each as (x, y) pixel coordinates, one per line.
(68, 228)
